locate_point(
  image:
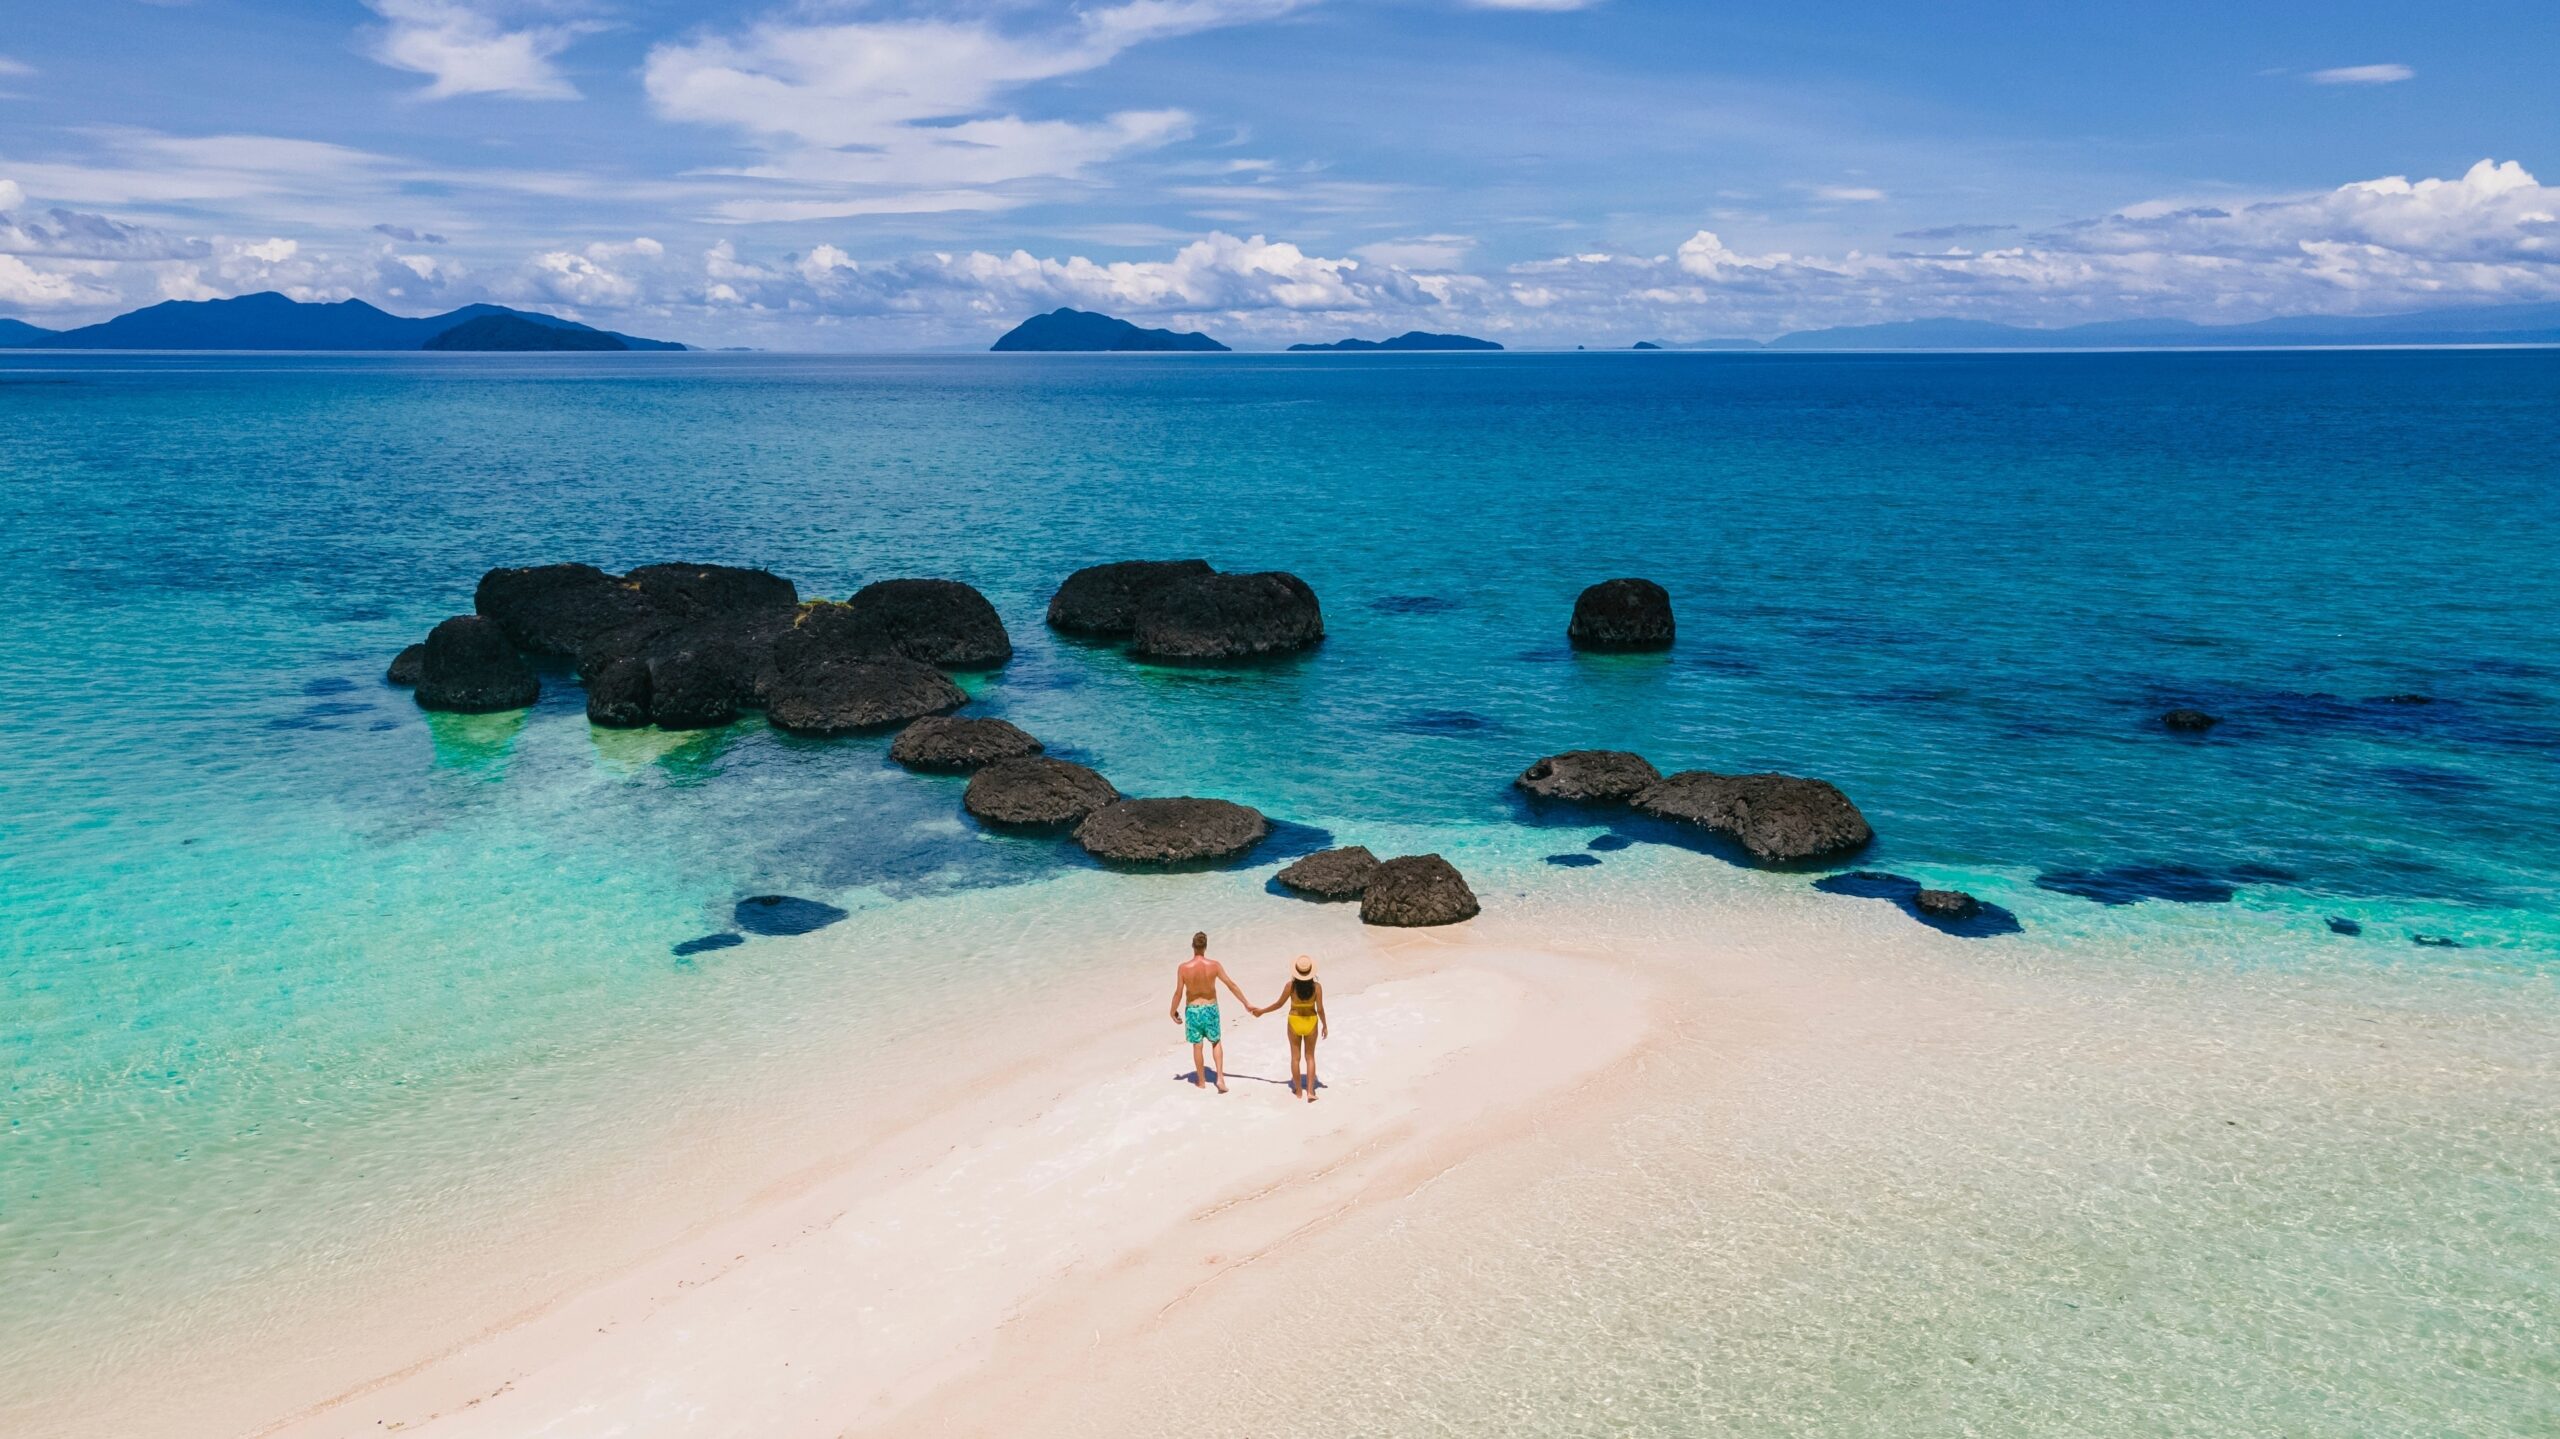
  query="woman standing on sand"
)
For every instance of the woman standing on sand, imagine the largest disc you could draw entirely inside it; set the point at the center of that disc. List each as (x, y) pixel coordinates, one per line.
(1305, 998)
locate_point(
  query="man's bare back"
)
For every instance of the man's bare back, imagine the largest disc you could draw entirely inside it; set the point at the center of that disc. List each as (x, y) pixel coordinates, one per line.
(1195, 1008)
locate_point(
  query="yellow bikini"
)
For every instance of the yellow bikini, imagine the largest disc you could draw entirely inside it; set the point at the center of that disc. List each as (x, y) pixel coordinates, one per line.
(1302, 1009)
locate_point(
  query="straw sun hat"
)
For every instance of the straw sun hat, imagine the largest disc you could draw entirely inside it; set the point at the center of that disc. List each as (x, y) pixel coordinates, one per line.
(1306, 967)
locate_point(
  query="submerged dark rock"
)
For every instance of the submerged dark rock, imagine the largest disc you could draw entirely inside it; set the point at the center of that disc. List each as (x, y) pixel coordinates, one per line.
(1228, 617)
(784, 914)
(1036, 792)
(1103, 600)
(1417, 890)
(851, 696)
(2435, 941)
(2344, 926)
(708, 943)
(468, 667)
(1574, 861)
(406, 667)
(618, 697)
(1776, 818)
(952, 746)
(1589, 776)
(1331, 874)
(2134, 883)
(1623, 614)
(937, 622)
(1171, 831)
(1949, 911)
(2188, 721)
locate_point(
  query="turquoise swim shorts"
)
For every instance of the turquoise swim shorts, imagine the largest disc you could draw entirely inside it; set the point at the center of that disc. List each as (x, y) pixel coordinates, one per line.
(1200, 1024)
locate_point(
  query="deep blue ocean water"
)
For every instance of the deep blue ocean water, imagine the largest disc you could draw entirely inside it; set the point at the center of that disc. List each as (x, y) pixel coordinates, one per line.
(254, 901)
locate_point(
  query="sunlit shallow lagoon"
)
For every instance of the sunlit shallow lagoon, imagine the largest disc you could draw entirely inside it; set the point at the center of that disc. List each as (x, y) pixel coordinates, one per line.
(289, 964)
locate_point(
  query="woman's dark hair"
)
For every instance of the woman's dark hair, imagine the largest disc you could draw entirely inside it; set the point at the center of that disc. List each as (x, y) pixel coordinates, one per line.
(1306, 989)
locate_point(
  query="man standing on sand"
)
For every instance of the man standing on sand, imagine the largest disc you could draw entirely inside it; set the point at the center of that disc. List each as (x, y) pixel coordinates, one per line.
(1195, 1007)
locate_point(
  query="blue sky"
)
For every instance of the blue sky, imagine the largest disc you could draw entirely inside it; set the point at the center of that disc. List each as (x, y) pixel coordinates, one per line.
(890, 175)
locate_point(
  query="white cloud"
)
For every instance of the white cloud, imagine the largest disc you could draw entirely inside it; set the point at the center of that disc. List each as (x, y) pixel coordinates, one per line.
(1852, 194)
(14, 68)
(2363, 75)
(907, 115)
(11, 197)
(465, 50)
(2491, 234)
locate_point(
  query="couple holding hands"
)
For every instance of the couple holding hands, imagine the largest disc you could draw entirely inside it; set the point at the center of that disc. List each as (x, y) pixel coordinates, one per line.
(1195, 1008)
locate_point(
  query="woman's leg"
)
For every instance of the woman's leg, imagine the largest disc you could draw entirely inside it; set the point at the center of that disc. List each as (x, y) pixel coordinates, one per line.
(1312, 1085)
(1293, 1064)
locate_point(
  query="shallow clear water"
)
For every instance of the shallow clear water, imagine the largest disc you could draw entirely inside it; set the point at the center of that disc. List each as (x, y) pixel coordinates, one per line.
(280, 950)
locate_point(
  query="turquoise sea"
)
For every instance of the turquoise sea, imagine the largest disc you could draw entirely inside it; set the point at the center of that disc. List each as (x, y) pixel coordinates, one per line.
(283, 960)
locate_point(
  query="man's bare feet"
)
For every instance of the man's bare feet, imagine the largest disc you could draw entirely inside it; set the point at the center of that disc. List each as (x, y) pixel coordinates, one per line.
(1195, 1079)
(1222, 1084)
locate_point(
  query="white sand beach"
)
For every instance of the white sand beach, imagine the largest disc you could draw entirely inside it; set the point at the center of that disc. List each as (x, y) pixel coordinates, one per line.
(1099, 1170)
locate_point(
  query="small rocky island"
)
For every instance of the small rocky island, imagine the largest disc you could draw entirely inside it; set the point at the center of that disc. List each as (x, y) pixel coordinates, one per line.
(1066, 331)
(1409, 340)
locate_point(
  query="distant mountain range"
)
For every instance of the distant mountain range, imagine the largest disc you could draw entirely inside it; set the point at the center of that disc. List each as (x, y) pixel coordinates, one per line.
(1063, 330)
(2534, 324)
(1409, 340)
(269, 321)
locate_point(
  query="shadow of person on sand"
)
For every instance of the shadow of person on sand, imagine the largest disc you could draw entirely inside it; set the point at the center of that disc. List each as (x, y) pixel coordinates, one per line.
(1210, 1076)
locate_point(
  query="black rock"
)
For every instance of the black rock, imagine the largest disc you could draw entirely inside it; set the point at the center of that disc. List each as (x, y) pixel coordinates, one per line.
(708, 943)
(954, 746)
(1951, 904)
(618, 698)
(558, 609)
(850, 696)
(784, 914)
(2344, 926)
(1036, 792)
(1228, 617)
(697, 687)
(1171, 831)
(692, 591)
(406, 667)
(1330, 874)
(1777, 818)
(2434, 941)
(1589, 776)
(1416, 890)
(824, 632)
(2188, 721)
(2409, 699)
(469, 668)
(936, 622)
(1102, 600)
(1626, 614)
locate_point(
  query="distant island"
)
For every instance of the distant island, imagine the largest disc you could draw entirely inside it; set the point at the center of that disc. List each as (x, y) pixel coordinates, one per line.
(1064, 331)
(269, 321)
(1644, 345)
(514, 332)
(1409, 340)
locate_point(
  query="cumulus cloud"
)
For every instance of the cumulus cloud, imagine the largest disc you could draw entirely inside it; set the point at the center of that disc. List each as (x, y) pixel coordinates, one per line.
(2363, 75)
(466, 49)
(74, 235)
(910, 114)
(2491, 234)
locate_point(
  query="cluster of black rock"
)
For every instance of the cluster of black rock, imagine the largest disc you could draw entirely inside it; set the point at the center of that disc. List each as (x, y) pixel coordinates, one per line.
(688, 646)
(1408, 892)
(1777, 819)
